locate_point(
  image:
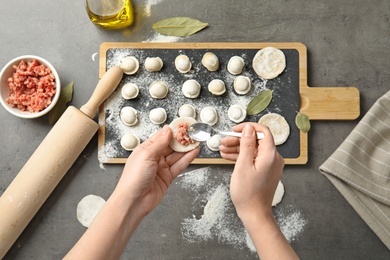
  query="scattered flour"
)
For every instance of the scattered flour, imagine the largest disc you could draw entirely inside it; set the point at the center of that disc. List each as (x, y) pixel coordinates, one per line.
(157, 37)
(148, 5)
(219, 220)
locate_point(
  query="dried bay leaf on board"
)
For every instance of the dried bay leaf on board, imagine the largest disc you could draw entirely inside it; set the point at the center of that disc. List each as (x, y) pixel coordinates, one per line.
(179, 26)
(303, 122)
(259, 102)
(65, 97)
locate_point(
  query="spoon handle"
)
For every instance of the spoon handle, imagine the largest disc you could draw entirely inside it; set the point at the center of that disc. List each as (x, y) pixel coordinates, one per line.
(259, 135)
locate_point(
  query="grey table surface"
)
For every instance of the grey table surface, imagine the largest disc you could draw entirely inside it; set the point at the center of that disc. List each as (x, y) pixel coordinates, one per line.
(348, 45)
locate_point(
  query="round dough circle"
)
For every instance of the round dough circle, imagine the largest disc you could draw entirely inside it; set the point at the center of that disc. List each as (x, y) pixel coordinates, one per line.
(158, 89)
(129, 65)
(129, 116)
(158, 115)
(174, 144)
(269, 62)
(153, 64)
(187, 110)
(279, 193)
(191, 88)
(130, 141)
(129, 91)
(214, 142)
(209, 116)
(88, 208)
(278, 126)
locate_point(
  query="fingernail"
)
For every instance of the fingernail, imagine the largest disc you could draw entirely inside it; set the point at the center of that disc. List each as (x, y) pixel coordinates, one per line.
(248, 131)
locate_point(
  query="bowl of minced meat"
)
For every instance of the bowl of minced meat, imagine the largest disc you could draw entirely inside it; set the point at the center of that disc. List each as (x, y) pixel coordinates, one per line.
(30, 86)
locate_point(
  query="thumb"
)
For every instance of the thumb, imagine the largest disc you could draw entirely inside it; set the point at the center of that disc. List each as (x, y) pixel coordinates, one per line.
(248, 146)
(160, 141)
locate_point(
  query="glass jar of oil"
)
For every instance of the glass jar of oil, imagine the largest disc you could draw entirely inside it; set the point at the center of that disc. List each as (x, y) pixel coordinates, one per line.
(111, 14)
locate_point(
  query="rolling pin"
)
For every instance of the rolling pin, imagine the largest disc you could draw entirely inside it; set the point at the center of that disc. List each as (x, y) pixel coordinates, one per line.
(50, 161)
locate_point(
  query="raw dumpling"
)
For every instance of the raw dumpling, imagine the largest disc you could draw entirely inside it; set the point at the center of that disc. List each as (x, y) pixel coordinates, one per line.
(235, 65)
(183, 63)
(180, 141)
(130, 141)
(158, 115)
(209, 116)
(269, 62)
(187, 110)
(242, 85)
(129, 65)
(236, 113)
(153, 64)
(217, 87)
(214, 142)
(129, 116)
(210, 61)
(129, 91)
(158, 89)
(278, 126)
(191, 88)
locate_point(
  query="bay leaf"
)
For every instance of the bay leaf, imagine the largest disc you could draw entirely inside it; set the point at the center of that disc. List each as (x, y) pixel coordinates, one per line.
(303, 122)
(65, 97)
(179, 26)
(259, 102)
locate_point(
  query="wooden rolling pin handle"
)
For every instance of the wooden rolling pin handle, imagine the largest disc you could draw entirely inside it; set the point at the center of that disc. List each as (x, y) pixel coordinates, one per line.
(111, 78)
(330, 103)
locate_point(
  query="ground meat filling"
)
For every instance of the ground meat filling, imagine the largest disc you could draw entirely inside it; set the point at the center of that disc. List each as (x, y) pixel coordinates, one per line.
(182, 135)
(32, 87)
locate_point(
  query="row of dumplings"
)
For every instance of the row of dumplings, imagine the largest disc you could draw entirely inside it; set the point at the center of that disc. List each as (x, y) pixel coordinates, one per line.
(208, 115)
(183, 64)
(191, 88)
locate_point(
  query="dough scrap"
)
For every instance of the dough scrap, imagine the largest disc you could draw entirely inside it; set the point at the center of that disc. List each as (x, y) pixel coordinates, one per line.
(174, 144)
(278, 126)
(88, 208)
(279, 193)
(269, 62)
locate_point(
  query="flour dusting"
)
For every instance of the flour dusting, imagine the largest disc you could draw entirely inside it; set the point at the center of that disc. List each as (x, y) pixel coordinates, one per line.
(219, 221)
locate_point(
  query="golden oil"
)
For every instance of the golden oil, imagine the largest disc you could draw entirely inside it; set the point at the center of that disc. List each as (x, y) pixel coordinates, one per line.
(111, 14)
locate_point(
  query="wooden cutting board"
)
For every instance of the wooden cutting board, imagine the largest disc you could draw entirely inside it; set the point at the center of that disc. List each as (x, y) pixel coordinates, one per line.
(290, 89)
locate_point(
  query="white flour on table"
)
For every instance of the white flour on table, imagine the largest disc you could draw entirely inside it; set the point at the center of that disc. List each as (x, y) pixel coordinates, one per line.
(219, 220)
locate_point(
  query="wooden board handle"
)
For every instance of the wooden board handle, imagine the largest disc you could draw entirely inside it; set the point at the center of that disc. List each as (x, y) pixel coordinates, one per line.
(103, 90)
(330, 103)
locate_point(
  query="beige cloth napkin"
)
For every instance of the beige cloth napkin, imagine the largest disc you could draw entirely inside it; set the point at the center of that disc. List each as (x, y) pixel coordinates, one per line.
(360, 168)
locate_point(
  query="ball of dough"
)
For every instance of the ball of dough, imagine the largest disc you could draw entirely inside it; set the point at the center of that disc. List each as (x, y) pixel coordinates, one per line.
(158, 115)
(187, 110)
(191, 88)
(235, 65)
(158, 89)
(269, 62)
(174, 125)
(210, 61)
(130, 141)
(129, 91)
(153, 64)
(217, 87)
(209, 116)
(129, 116)
(183, 63)
(236, 113)
(242, 85)
(129, 65)
(278, 126)
(214, 142)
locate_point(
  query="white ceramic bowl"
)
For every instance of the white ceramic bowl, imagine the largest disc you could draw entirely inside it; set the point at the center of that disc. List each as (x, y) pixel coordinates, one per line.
(7, 72)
